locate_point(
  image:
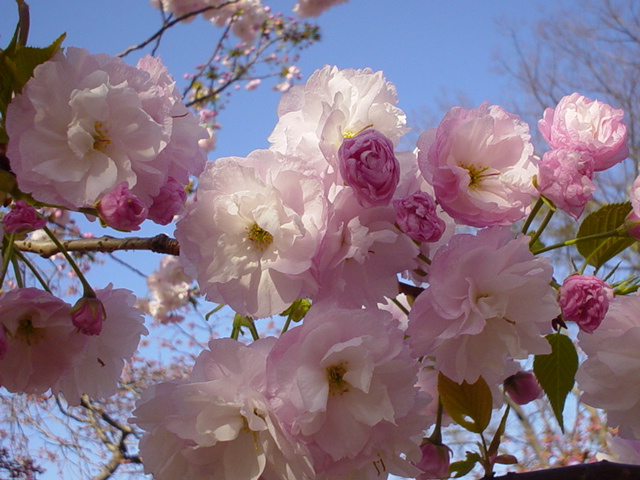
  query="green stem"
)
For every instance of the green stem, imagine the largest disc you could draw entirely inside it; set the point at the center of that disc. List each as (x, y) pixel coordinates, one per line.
(33, 269)
(400, 306)
(6, 258)
(541, 228)
(16, 272)
(618, 232)
(287, 322)
(422, 257)
(436, 436)
(87, 290)
(534, 211)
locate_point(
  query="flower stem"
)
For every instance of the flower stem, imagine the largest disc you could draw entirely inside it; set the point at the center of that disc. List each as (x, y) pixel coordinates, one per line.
(534, 211)
(87, 290)
(610, 234)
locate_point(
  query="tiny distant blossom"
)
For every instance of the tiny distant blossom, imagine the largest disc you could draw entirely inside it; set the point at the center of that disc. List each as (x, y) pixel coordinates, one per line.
(22, 218)
(435, 461)
(105, 354)
(610, 376)
(170, 289)
(584, 299)
(315, 117)
(85, 123)
(345, 386)
(417, 217)
(368, 165)
(251, 235)
(523, 387)
(122, 210)
(219, 422)
(313, 8)
(565, 177)
(42, 343)
(484, 290)
(480, 163)
(586, 125)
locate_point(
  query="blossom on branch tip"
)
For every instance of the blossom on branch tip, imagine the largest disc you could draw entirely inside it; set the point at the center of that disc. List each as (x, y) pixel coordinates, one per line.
(87, 315)
(522, 387)
(586, 125)
(418, 218)
(22, 218)
(122, 210)
(435, 461)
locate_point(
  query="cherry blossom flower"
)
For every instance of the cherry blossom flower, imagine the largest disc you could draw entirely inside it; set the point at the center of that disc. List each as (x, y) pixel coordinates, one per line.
(332, 105)
(42, 343)
(584, 299)
(86, 123)
(344, 385)
(250, 239)
(609, 377)
(22, 218)
(484, 290)
(523, 387)
(313, 8)
(87, 315)
(586, 125)
(218, 423)
(368, 164)
(435, 461)
(168, 203)
(105, 354)
(480, 163)
(417, 217)
(632, 222)
(565, 177)
(170, 288)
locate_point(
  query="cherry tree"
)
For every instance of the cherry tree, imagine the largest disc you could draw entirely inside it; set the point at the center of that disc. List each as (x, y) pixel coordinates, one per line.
(407, 290)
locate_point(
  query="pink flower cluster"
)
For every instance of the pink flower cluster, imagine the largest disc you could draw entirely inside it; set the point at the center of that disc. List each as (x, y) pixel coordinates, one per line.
(47, 345)
(111, 136)
(331, 398)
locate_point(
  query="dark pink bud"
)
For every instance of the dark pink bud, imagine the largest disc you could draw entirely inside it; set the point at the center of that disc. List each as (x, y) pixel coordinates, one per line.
(435, 461)
(122, 210)
(168, 203)
(368, 165)
(417, 217)
(523, 387)
(22, 218)
(87, 315)
(584, 299)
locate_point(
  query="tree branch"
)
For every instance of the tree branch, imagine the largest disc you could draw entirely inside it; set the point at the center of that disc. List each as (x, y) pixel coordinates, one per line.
(159, 244)
(603, 470)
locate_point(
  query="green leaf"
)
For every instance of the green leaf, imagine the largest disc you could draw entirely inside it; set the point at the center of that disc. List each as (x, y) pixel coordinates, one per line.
(495, 443)
(556, 372)
(469, 405)
(461, 468)
(607, 218)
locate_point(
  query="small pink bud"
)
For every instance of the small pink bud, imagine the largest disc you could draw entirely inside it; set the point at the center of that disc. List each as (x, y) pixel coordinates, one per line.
(87, 315)
(584, 299)
(122, 210)
(523, 387)
(168, 203)
(435, 461)
(368, 165)
(23, 218)
(417, 217)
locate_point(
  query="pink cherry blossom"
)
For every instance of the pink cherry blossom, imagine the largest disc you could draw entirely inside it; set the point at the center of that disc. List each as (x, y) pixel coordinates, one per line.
(251, 235)
(170, 288)
(565, 177)
(218, 423)
(87, 315)
(632, 222)
(105, 354)
(480, 163)
(586, 125)
(22, 218)
(42, 343)
(417, 217)
(344, 385)
(584, 299)
(610, 376)
(313, 8)
(122, 210)
(522, 387)
(85, 123)
(488, 302)
(368, 164)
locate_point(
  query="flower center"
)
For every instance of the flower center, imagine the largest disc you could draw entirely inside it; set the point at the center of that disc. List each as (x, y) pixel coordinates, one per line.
(335, 375)
(27, 332)
(259, 237)
(476, 175)
(101, 138)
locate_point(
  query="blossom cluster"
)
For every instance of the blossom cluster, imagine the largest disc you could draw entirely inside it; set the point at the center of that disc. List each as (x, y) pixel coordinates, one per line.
(332, 213)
